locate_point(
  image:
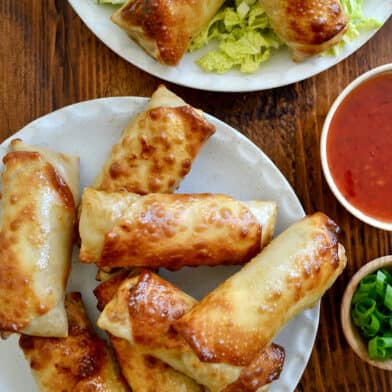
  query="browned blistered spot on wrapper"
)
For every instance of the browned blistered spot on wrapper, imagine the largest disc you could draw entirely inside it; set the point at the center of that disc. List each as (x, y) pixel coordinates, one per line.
(80, 362)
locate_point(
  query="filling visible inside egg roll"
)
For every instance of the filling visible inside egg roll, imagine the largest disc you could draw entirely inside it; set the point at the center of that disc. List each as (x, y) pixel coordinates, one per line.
(252, 306)
(171, 230)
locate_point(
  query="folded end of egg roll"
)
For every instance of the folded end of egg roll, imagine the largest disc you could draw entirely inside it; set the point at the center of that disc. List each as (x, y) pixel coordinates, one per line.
(163, 28)
(265, 213)
(163, 97)
(53, 323)
(308, 27)
(66, 166)
(302, 51)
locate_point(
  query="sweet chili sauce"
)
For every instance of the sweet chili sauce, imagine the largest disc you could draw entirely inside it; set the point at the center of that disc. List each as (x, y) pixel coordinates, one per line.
(359, 147)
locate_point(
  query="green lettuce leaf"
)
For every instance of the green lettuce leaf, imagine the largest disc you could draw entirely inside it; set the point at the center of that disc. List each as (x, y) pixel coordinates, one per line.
(357, 23)
(246, 39)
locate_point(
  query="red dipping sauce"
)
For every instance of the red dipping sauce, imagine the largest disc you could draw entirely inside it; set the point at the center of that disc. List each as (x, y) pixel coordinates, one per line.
(359, 147)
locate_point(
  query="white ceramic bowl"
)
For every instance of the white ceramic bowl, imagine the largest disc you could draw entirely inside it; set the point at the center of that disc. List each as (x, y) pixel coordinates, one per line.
(323, 147)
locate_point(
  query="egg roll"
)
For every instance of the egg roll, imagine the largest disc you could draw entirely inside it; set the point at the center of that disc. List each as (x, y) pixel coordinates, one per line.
(39, 196)
(142, 312)
(143, 372)
(171, 230)
(80, 362)
(163, 28)
(252, 306)
(157, 147)
(307, 27)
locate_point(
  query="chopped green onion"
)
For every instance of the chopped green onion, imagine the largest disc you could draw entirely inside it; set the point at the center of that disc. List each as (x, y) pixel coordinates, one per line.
(363, 310)
(388, 275)
(388, 297)
(371, 327)
(385, 342)
(359, 296)
(368, 283)
(371, 312)
(385, 319)
(375, 351)
(381, 282)
(380, 347)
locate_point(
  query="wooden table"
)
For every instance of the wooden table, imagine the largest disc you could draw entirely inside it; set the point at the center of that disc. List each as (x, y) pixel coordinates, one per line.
(49, 59)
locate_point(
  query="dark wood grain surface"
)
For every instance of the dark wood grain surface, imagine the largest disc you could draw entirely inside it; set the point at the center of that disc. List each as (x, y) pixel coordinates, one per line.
(49, 59)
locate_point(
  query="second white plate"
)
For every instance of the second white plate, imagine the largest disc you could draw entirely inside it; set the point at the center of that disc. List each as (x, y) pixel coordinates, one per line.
(279, 70)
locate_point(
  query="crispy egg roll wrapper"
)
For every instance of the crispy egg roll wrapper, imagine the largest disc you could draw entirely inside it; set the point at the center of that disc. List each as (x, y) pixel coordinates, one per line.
(157, 148)
(39, 194)
(164, 28)
(252, 306)
(171, 230)
(142, 312)
(80, 362)
(307, 27)
(143, 372)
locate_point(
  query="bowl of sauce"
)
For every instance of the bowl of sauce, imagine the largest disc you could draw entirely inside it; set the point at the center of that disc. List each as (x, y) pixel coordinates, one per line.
(356, 147)
(351, 300)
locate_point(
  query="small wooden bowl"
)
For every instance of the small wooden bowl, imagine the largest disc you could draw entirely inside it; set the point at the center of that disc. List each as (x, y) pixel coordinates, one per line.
(350, 330)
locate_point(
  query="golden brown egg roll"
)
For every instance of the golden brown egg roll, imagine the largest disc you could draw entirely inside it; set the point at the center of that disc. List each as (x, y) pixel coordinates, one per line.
(308, 27)
(142, 312)
(171, 230)
(157, 148)
(164, 28)
(39, 194)
(143, 372)
(80, 362)
(252, 306)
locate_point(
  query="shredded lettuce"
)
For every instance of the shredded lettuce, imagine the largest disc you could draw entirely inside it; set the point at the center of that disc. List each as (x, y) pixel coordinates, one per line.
(246, 39)
(357, 23)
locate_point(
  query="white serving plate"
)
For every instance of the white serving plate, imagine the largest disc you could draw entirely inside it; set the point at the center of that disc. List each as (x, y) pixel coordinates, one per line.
(279, 70)
(229, 163)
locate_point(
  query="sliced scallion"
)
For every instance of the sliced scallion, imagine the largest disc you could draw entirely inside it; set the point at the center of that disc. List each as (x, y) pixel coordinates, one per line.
(371, 311)
(388, 297)
(381, 283)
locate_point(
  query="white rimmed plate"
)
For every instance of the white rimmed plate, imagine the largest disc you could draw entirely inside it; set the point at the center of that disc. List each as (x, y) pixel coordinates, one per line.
(229, 163)
(279, 70)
